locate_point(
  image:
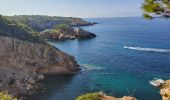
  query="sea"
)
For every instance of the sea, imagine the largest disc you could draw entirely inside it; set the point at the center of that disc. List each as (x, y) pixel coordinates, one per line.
(127, 53)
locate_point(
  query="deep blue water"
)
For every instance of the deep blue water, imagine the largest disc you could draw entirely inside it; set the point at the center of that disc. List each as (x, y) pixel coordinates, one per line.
(111, 68)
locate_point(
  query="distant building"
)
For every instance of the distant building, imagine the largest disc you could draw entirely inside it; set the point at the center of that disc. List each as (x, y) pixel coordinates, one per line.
(76, 29)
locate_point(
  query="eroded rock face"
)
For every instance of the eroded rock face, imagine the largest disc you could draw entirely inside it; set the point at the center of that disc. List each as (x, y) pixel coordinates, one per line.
(23, 64)
(165, 90)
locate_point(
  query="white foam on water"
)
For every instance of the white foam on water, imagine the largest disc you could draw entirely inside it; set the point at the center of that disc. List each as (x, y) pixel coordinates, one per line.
(157, 82)
(90, 67)
(148, 49)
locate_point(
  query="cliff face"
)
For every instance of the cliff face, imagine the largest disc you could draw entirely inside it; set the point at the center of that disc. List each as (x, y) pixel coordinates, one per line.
(23, 64)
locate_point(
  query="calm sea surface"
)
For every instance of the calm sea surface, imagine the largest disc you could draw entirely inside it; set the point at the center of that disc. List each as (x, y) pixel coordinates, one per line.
(126, 54)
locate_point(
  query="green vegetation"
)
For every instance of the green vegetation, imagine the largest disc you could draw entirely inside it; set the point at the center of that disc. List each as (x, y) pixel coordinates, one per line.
(21, 31)
(6, 96)
(156, 8)
(58, 29)
(40, 23)
(62, 26)
(51, 31)
(90, 96)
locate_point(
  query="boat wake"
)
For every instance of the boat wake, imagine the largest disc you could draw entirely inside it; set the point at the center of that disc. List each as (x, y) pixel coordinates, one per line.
(148, 49)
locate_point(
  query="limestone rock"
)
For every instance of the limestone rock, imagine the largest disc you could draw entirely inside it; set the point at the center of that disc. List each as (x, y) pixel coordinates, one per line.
(165, 90)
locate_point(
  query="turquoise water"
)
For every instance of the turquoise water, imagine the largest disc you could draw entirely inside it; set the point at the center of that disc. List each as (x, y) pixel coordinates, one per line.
(126, 54)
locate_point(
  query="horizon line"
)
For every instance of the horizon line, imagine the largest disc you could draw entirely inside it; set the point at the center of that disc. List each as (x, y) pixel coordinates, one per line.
(71, 16)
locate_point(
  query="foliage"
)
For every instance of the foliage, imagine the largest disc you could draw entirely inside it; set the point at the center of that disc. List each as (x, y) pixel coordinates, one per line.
(62, 26)
(6, 96)
(40, 22)
(156, 8)
(90, 96)
(147, 16)
(56, 31)
(21, 31)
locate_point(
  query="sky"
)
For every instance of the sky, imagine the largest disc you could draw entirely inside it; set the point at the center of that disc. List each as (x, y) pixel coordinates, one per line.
(72, 8)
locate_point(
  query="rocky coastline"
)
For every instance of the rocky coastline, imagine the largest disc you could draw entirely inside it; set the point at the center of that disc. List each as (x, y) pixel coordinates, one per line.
(55, 28)
(25, 60)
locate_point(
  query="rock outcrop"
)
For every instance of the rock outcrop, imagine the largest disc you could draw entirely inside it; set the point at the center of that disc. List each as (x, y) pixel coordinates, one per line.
(65, 33)
(165, 90)
(164, 87)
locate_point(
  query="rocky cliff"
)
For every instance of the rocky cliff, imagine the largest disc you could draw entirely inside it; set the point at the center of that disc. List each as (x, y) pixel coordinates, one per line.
(24, 61)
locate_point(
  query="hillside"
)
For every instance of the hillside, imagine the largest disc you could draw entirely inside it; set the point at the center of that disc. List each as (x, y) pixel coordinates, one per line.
(19, 31)
(40, 22)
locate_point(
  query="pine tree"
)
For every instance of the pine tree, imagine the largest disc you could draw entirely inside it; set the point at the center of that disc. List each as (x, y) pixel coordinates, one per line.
(156, 9)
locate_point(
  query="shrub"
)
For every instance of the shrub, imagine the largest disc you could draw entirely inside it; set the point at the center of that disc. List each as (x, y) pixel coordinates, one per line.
(6, 96)
(90, 96)
(62, 26)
